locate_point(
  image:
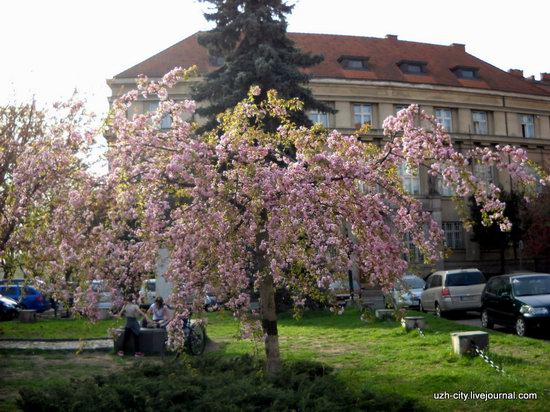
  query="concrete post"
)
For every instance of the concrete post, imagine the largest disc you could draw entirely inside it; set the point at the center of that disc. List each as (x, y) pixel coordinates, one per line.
(463, 342)
(27, 315)
(384, 314)
(413, 322)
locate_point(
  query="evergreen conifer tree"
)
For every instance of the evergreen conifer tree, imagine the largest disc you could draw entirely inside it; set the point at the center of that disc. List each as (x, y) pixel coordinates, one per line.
(250, 36)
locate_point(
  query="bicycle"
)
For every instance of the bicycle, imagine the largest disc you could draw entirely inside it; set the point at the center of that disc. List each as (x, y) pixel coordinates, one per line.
(195, 338)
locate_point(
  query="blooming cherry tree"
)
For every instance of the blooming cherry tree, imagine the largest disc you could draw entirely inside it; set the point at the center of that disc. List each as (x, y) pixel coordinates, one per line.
(41, 163)
(241, 209)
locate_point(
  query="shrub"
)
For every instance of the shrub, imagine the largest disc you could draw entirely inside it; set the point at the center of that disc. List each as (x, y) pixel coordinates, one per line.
(211, 383)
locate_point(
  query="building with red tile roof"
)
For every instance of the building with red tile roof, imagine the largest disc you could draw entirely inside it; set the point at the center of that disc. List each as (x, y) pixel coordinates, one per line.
(382, 55)
(367, 79)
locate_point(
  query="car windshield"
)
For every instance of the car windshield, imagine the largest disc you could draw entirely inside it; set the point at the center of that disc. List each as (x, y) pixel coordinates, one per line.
(413, 283)
(464, 279)
(10, 290)
(151, 286)
(532, 285)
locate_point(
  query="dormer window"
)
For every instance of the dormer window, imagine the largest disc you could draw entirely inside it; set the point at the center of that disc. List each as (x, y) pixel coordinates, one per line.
(354, 62)
(468, 73)
(412, 67)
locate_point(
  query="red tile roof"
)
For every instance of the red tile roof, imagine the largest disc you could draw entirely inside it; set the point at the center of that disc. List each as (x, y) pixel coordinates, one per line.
(383, 56)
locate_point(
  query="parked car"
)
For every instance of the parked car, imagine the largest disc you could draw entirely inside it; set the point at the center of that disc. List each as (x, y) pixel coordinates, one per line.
(9, 309)
(147, 293)
(452, 290)
(405, 292)
(105, 301)
(26, 296)
(520, 300)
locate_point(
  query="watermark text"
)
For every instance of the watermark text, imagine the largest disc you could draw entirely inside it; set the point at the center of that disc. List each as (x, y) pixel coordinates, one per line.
(484, 396)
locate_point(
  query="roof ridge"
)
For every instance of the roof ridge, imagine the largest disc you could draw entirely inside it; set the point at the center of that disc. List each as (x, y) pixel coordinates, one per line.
(374, 38)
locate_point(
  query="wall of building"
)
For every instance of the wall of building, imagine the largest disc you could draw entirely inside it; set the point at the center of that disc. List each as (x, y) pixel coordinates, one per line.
(503, 121)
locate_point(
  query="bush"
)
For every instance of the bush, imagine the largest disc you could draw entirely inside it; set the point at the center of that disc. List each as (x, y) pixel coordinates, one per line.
(211, 383)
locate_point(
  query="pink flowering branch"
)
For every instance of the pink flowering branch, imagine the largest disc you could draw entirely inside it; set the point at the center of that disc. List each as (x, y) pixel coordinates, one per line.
(238, 211)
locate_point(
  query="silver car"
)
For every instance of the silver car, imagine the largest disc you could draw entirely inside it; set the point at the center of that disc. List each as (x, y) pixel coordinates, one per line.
(406, 292)
(452, 290)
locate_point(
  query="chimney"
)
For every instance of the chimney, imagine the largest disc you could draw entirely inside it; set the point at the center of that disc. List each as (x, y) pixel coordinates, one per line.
(459, 46)
(516, 73)
(391, 36)
(545, 78)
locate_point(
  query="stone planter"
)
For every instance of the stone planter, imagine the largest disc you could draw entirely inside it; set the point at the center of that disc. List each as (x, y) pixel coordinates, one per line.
(27, 315)
(152, 341)
(413, 322)
(385, 314)
(463, 342)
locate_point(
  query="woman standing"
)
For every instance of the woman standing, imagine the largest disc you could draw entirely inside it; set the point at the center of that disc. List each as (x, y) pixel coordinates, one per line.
(131, 311)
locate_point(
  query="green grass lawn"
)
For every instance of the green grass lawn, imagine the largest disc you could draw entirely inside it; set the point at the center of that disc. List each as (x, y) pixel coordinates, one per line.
(380, 356)
(58, 329)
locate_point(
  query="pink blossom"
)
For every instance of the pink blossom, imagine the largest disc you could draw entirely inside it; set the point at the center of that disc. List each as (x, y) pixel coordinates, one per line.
(230, 216)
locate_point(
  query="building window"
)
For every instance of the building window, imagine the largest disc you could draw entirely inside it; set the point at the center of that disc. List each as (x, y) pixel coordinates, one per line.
(468, 73)
(368, 188)
(454, 237)
(412, 67)
(398, 107)
(444, 189)
(410, 179)
(527, 122)
(166, 121)
(152, 106)
(131, 112)
(354, 63)
(484, 173)
(362, 113)
(445, 118)
(537, 176)
(480, 122)
(318, 117)
(414, 255)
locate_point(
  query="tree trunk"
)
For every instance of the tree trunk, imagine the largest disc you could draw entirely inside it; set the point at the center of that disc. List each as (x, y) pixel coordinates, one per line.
(268, 313)
(269, 326)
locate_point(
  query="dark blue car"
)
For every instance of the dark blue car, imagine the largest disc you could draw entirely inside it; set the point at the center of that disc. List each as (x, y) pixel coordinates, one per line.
(520, 300)
(8, 308)
(28, 297)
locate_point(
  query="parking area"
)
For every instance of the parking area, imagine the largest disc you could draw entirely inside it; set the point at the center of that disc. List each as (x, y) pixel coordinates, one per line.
(473, 319)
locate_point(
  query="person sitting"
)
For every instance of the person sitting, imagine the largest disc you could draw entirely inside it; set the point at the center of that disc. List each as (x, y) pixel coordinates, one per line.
(159, 311)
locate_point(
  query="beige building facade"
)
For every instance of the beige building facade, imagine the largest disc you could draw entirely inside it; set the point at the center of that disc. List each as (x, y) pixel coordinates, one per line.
(368, 79)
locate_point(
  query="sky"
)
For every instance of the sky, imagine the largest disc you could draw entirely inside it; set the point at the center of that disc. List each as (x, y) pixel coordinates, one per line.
(49, 48)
